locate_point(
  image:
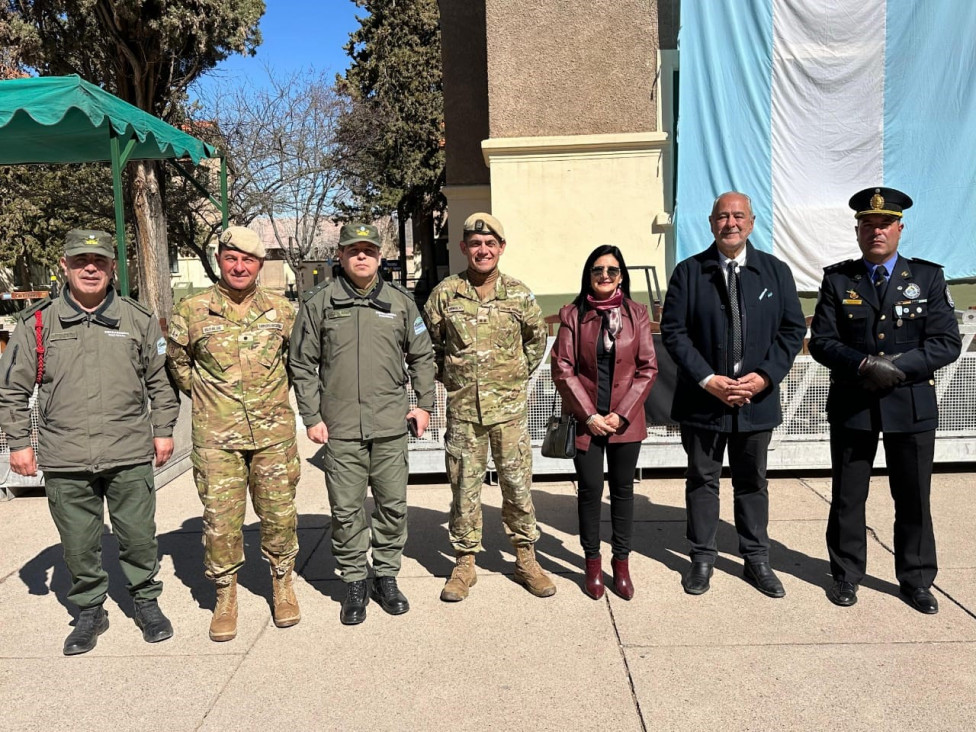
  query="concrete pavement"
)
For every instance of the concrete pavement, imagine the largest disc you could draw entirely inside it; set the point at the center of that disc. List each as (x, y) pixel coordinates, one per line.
(729, 659)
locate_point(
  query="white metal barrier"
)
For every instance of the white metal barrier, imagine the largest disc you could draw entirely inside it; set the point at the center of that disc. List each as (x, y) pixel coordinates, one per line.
(801, 442)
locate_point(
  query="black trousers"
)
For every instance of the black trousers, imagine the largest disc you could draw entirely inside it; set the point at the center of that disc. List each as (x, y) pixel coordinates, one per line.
(750, 494)
(909, 457)
(621, 463)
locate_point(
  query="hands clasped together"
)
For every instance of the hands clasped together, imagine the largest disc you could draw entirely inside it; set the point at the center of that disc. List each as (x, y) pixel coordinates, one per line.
(604, 425)
(736, 392)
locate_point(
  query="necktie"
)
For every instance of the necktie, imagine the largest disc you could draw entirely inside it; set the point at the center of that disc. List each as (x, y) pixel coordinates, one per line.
(880, 282)
(736, 316)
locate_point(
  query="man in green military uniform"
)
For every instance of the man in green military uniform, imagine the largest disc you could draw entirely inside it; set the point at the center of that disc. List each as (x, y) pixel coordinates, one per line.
(347, 358)
(488, 335)
(101, 355)
(228, 349)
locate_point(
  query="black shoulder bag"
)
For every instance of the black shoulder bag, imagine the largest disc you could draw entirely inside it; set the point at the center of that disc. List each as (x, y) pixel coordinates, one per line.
(560, 439)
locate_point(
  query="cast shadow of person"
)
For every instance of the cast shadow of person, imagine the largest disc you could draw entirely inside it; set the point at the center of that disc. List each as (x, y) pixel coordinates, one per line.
(47, 573)
(184, 547)
(659, 534)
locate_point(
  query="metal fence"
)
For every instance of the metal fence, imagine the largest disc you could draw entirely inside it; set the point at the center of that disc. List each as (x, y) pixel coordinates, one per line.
(801, 442)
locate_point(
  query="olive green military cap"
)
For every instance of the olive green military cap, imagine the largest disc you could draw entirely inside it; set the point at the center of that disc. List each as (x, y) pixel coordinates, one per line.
(356, 232)
(484, 223)
(89, 241)
(243, 240)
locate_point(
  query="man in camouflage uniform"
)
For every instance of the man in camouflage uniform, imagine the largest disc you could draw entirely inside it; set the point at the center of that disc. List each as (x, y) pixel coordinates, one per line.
(488, 335)
(348, 351)
(103, 355)
(228, 350)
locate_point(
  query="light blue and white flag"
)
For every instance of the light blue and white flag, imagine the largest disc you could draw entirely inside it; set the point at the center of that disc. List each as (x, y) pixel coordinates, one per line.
(801, 104)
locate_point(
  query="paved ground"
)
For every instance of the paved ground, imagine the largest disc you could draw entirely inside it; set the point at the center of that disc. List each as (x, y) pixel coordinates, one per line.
(730, 659)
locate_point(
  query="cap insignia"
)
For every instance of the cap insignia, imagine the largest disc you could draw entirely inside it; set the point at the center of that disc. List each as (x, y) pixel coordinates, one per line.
(877, 202)
(362, 231)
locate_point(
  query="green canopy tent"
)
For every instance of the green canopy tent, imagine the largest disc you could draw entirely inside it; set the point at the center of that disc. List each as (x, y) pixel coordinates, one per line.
(65, 119)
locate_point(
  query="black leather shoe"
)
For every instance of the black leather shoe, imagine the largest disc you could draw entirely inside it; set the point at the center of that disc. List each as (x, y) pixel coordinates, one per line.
(762, 577)
(150, 619)
(921, 598)
(354, 606)
(842, 593)
(388, 595)
(92, 622)
(696, 581)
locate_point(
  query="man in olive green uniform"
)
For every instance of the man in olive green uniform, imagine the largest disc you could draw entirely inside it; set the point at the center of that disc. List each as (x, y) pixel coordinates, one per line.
(103, 354)
(348, 351)
(228, 349)
(488, 335)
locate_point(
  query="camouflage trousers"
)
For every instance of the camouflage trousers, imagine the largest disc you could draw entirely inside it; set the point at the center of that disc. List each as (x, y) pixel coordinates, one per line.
(466, 446)
(224, 478)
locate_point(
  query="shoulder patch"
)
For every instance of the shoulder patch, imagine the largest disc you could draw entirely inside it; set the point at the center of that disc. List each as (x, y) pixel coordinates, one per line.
(309, 294)
(29, 312)
(916, 260)
(138, 306)
(838, 266)
(397, 286)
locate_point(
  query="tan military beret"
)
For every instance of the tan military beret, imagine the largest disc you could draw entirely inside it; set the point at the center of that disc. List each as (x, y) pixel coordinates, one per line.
(484, 223)
(243, 240)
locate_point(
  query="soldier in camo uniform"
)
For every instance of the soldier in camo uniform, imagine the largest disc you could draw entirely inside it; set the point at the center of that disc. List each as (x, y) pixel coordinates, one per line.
(228, 350)
(488, 335)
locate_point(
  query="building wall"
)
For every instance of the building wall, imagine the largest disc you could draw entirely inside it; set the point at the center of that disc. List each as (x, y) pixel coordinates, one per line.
(573, 67)
(559, 197)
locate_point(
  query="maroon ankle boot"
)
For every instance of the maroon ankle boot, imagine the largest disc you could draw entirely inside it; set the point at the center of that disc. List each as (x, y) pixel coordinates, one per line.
(621, 578)
(594, 578)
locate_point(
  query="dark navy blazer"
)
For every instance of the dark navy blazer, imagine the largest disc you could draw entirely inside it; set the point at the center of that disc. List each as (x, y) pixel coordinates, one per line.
(695, 331)
(916, 320)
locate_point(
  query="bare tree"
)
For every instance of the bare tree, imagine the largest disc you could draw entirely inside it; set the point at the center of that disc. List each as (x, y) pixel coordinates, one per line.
(280, 146)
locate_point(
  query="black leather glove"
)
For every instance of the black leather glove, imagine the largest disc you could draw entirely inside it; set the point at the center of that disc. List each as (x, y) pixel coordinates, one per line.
(880, 373)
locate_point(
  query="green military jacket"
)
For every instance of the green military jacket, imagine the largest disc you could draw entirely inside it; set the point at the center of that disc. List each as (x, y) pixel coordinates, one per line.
(485, 350)
(234, 368)
(101, 372)
(351, 355)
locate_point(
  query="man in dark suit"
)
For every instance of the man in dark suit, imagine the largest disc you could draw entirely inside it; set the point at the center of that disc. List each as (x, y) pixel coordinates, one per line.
(732, 323)
(883, 325)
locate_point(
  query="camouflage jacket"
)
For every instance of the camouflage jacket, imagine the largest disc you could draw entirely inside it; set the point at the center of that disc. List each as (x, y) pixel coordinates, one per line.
(350, 358)
(234, 369)
(101, 371)
(485, 351)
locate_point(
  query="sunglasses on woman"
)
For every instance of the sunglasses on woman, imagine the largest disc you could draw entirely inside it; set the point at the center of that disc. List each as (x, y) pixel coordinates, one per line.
(612, 272)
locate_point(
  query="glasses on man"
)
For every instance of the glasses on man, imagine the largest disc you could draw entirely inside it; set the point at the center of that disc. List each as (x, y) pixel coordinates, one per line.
(612, 272)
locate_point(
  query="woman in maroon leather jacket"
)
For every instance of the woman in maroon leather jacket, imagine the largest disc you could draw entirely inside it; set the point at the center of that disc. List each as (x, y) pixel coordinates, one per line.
(603, 365)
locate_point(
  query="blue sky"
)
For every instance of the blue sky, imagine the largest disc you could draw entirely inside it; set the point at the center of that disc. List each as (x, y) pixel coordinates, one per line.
(298, 34)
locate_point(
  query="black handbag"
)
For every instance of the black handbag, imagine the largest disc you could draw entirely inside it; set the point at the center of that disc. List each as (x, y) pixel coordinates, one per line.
(560, 439)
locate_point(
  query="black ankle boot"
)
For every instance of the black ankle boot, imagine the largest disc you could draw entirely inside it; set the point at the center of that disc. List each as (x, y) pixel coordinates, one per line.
(92, 622)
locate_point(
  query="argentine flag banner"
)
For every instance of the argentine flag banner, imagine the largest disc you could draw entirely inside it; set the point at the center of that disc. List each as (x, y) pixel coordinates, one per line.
(801, 104)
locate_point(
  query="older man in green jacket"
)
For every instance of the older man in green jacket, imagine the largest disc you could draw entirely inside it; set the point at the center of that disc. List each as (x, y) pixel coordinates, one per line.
(103, 354)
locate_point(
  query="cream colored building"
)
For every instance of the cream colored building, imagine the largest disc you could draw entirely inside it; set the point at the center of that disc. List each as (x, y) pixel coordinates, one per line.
(558, 121)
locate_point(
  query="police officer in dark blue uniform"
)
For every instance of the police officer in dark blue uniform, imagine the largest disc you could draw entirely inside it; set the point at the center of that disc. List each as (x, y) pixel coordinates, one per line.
(883, 325)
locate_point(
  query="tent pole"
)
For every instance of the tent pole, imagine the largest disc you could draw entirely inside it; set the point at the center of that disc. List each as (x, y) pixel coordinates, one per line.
(223, 191)
(119, 216)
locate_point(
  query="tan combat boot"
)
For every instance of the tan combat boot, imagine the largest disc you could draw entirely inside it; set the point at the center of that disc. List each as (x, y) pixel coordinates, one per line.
(529, 573)
(223, 625)
(462, 579)
(286, 612)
